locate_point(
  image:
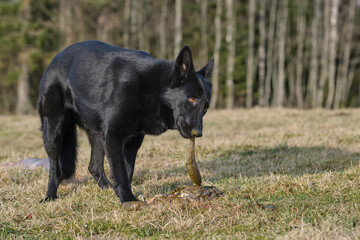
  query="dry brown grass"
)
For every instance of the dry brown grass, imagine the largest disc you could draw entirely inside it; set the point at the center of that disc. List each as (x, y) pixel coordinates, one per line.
(305, 163)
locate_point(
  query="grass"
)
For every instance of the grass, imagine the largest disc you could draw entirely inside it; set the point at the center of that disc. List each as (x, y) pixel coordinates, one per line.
(287, 174)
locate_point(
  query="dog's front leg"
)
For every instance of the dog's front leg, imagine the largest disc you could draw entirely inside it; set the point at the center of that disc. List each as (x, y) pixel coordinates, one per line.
(130, 150)
(114, 150)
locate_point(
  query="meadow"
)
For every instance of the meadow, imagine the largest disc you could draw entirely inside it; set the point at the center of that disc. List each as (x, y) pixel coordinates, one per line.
(286, 174)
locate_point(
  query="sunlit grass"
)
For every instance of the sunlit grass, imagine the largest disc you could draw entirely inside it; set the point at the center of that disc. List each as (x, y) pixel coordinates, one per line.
(305, 165)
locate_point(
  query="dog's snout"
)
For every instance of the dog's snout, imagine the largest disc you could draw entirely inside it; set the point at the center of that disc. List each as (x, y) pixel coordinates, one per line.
(196, 133)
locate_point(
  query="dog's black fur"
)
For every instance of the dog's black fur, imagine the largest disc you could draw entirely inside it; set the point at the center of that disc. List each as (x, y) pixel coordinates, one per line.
(117, 96)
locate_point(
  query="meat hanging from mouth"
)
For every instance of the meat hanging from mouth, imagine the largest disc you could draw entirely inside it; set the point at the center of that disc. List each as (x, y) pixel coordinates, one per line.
(194, 193)
(191, 165)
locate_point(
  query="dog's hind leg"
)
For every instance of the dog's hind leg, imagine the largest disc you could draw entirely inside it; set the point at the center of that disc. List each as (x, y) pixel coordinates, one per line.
(60, 144)
(52, 143)
(51, 110)
(130, 150)
(96, 166)
(59, 136)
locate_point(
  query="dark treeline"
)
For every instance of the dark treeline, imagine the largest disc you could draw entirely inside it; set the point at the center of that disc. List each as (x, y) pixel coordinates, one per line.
(268, 53)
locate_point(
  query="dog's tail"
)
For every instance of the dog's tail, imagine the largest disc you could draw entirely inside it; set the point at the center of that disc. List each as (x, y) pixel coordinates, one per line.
(67, 156)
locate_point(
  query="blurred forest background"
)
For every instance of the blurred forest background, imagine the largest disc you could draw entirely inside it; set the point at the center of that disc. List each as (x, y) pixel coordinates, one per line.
(268, 53)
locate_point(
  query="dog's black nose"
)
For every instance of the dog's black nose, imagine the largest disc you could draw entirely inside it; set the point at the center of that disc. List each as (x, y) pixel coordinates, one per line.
(196, 133)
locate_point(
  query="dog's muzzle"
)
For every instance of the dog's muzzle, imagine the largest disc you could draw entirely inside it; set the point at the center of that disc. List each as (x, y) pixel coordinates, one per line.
(196, 133)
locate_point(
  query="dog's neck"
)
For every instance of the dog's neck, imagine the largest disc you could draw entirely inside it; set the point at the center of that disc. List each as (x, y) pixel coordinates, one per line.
(158, 117)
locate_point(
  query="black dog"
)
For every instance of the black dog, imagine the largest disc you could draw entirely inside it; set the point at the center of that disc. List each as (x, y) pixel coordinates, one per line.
(117, 96)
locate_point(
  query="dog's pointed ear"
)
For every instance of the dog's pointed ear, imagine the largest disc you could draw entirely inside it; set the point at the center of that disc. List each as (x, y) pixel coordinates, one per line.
(207, 70)
(184, 63)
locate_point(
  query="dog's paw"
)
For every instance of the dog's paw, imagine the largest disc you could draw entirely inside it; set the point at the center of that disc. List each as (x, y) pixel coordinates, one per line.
(134, 205)
(104, 183)
(48, 199)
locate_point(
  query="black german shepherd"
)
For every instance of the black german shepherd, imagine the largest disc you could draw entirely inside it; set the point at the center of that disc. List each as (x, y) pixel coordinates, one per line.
(117, 96)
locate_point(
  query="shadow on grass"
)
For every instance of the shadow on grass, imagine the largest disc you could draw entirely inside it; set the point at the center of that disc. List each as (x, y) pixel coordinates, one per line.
(279, 160)
(249, 161)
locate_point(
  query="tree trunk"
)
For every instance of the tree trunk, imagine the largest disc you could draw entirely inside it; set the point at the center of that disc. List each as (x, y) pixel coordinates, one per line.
(178, 28)
(292, 89)
(344, 67)
(230, 39)
(162, 29)
(312, 85)
(269, 53)
(140, 22)
(275, 75)
(324, 55)
(250, 56)
(102, 28)
(126, 23)
(204, 37)
(215, 75)
(79, 24)
(65, 16)
(134, 26)
(262, 56)
(332, 54)
(300, 20)
(23, 103)
(354, 62)
(279, 101)
(147, 25)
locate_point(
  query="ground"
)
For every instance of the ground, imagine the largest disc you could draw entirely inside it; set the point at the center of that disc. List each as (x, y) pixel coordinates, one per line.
(286, 174)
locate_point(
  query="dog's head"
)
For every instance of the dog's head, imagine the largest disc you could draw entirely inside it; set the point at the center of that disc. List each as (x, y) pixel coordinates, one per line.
(189, 94)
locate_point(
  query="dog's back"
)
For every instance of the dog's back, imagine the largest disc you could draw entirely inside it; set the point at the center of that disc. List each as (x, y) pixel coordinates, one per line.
(85, 76)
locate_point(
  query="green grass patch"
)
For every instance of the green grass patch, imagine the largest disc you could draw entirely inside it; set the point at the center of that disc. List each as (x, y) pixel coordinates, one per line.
(286, 174)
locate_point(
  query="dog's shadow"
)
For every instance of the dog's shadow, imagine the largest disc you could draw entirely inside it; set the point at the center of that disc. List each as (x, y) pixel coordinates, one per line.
(281, 160)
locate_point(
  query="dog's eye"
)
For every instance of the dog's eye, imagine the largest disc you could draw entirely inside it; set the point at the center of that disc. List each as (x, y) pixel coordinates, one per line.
(191, 100)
